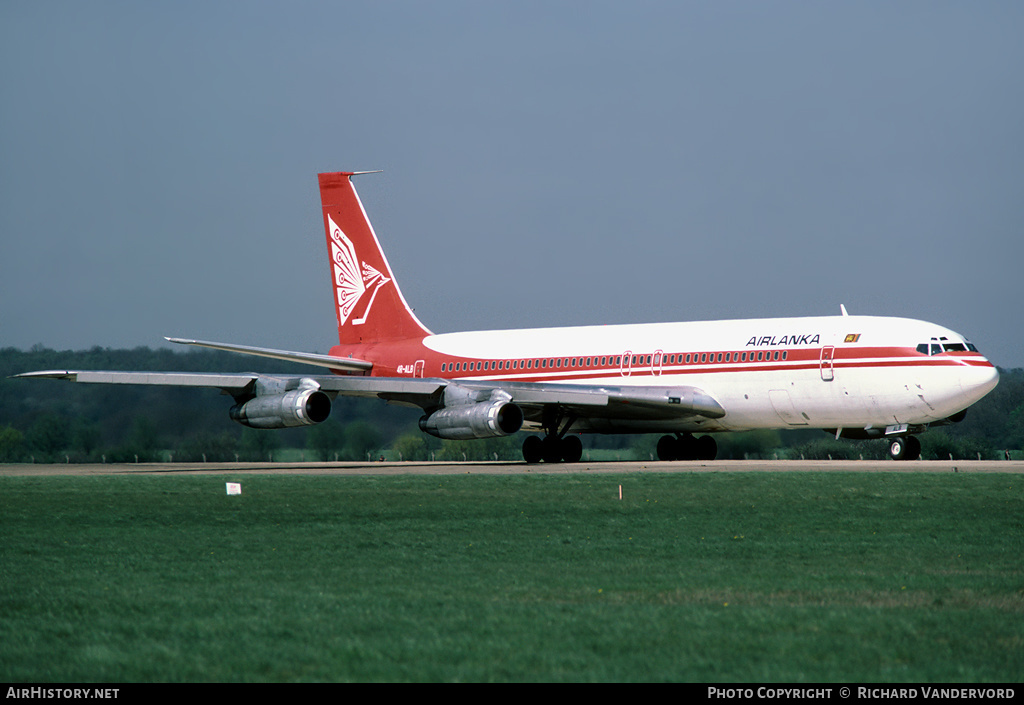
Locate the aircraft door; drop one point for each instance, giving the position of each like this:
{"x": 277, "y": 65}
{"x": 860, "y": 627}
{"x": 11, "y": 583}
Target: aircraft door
{"x": 626, "y": 369}
{"x": 418, "y": 371}
{"x": 827, "y": 356}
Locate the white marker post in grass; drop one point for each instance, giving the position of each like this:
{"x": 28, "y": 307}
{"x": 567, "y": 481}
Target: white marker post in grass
{"x": 234, "y": 488}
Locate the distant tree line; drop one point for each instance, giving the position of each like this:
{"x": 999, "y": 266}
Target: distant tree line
{"x": 56, "y": 421}
{"x": 59, "y": 421}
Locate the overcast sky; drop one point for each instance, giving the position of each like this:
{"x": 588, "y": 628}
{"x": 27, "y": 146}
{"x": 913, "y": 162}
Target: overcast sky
{"x": 549, "y": 163}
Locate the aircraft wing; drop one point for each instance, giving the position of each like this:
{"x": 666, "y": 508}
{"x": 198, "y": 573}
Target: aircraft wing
{"x": 584, "y": 401}
{"x": 234, "y": 384}
{"x": 349, "y": 364}
{"x": 418, "y": 392}
{"x": 275, "y": 400}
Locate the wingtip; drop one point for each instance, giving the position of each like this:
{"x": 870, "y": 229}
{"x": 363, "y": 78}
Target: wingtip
{"x": 45, "y": 374}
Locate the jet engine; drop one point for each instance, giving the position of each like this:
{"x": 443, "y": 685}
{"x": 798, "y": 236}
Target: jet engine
{"x": 485, "y": 419}
{"x": 300, "y": 407}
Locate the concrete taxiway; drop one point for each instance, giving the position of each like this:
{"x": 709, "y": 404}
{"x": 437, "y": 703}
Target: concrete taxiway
{"x": 507, "y": 468}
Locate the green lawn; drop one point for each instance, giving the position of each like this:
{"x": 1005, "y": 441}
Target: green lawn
{"x": 720, "y": 577}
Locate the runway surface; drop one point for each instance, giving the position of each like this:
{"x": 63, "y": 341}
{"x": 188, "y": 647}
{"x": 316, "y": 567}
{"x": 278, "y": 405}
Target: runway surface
{"x": 505, "y": 468}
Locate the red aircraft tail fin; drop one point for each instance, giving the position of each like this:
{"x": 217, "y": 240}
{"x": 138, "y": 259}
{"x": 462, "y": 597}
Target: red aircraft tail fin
{"x": 369, "y": 305}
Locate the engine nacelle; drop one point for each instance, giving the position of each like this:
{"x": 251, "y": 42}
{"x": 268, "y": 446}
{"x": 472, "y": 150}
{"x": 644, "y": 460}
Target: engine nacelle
{"x": 484, "y": 420}
{"x": 301, "y": 407}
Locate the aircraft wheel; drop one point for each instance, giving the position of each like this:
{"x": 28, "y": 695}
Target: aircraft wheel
{"x": 551, "y": 449}
{"x": 668, "y": 448}
{"x": 686, "y": 448}
{"x": 707, "y": 448}
{"x": 898, "y": 448}
{"x": 913, "y": 448}
{"x": 572, "y": 449}
{"x": 533, "y": 449}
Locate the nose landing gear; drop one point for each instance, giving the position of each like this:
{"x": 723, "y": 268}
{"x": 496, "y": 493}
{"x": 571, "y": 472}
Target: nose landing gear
{"x": 905, "y": 448}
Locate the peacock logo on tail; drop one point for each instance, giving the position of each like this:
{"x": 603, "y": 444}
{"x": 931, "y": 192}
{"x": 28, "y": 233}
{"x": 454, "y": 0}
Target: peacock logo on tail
{"x": 352, "y": 279}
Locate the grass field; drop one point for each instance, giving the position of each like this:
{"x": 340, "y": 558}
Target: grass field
{"x": 718, "y": 577}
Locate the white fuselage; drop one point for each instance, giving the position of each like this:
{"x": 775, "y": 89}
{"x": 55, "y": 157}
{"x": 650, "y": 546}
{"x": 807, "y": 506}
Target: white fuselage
{"x": 817, "y": 372}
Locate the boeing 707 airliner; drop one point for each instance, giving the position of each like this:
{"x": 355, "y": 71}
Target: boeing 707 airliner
{"x": 854, "y": 376}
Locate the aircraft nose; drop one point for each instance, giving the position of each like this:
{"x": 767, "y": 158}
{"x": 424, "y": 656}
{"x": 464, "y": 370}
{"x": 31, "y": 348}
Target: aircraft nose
{"x": 977, "y": 381}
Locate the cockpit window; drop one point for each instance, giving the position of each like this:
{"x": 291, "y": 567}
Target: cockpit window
{"x": 940, "y": 345}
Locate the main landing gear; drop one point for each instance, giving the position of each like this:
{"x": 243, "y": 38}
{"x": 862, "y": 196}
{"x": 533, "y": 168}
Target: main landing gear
{"x": 683, "y": 446}
{"x": 905, "y": 448}
{"x": 555, "y": 447}
{"x": 552, "y": 449}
